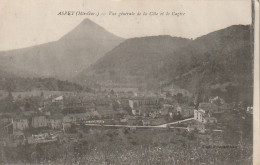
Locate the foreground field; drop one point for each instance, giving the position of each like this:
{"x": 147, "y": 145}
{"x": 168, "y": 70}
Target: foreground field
{"x": 125, "y": 146}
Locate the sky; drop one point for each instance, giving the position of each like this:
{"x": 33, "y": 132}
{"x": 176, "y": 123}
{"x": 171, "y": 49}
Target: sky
{"x": 26, "y": 23}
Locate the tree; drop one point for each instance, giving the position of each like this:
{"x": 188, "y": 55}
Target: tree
{"x": 232, "y": 93}
{"x": 168, "y": 94}
{"x": 27, "y": 106}
{"x": 42, "y": 94}
{"x": 191, "y": 136}
{"x": 112, "y": 92}
{"x": 179, "y": 98}
{"x": 115, "y": 105}
{"x": 10, "y": 96}
{"x": 9, "y": 85}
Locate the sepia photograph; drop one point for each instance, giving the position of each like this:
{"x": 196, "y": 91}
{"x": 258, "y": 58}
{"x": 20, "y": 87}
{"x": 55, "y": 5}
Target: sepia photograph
{"x": 127, "y": 82}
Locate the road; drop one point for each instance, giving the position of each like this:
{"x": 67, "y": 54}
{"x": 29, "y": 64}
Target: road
{"x": 176, "y": 122}
{"x": 136, "y": 126}
{"x": 119, "y": 126}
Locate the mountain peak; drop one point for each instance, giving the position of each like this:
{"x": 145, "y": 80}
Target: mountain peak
{"x": 88, "y": 29}
{"x": 64, "y": 58}
{"x": 87, "y": 21}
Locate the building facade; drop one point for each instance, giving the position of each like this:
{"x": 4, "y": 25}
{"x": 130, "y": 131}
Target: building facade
{"x": 20, "y": 124}
{"x": 39, "y": 121}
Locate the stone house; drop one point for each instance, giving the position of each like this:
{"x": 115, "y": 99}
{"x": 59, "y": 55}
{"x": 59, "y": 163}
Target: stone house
{"x": 39, "y": 121}
{"x": 249, "y": 110}
{"x": 204, "y": 116}
{"x": 20, "y": 124}
{"x": 55, "y": 122}
{"x": 143, "y": 101}
{"x": 146, "y": 122}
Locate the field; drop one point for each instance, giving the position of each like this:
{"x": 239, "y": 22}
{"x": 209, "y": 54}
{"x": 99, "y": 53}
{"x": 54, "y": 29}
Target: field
{"x": 125, "y": 146}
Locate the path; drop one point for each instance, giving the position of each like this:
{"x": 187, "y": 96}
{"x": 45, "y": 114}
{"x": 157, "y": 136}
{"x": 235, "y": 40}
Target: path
{"x": 176, "y": 122}
{"x": 137, "y": 126}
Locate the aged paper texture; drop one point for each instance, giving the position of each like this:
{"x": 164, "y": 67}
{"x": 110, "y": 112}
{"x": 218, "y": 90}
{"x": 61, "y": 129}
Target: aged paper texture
{"x": 129, "y": 82}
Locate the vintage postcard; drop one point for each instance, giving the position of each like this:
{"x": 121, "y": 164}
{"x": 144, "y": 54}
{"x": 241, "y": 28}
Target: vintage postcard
{"x": 129, "y": 82}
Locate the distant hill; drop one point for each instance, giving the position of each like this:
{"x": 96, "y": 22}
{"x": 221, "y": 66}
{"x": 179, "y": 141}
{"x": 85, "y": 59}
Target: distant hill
{"x": 229, "y": 47}
{"x": 4, "y": 74}
{"x": 219, "y": 63}
{"x": 133, "y": 60}
{"x": 64, "y": 58}
{"x": 216, "y": 63}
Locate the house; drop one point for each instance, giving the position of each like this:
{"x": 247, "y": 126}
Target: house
{"x": 199, "y": 115}
{"x": 123, "y": 120}
{"x": 146, "y": 122}
{"x": 41, "y": 136}
{"x": 217, "y": 100}
{"x": 95, "y": 114}
{"x": 175, "y": 90}
{"x": 179, "y": 110}
{"x": 66, "y": 126}
{"x": 164, "y": 111}
{"x": 6, "y": 125}
{"x": 153, "y": 114}
{"x": 136, "y": 112}
{"x": 170, "y": 109}
{"x": 39, "y": 121}
{"x": 204, "y": 116}
{"x": 171, "y": 114}
{"x": 142, "y": 102}
{"x": 168, "y": 105}
{"x": 5, "y": 119}
{"x": 147, "y": 111}
{"x": 249, "y": 110}
{"x": 58, "y": 99}
{"x": 119, "y": 89}
{"x": 55, "y": 122}
{"x": 18, "y": 138}
{"x": 20, "y": 124}
{"x": 86, "y": 116}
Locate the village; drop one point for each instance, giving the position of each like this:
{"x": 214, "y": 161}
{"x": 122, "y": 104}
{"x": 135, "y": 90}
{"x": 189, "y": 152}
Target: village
{"x": 48, "y": 118}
